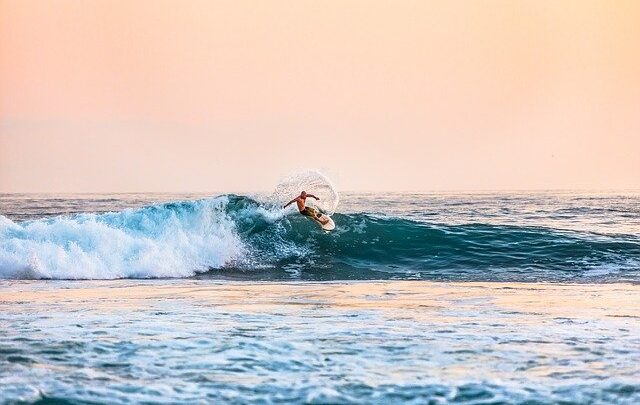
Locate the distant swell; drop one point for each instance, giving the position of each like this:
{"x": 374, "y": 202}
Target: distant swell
{"x": 235, "y": 236}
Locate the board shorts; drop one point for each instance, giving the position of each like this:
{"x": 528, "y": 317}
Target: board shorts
{"x": 310, "y": 212}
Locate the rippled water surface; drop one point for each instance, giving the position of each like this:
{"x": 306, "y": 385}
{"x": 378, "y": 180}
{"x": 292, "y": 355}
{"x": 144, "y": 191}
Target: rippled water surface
{"x": 543, "y": 236}
{"x": 484, "y": 298}
{"x": 356, "y": 342}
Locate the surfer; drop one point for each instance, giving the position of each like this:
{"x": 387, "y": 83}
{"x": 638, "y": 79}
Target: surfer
{"x": 307, "y": 211}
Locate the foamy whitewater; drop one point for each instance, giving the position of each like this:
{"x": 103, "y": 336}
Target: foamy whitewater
{"x": 510, "y": 237}
{"x": 475, "y": 298}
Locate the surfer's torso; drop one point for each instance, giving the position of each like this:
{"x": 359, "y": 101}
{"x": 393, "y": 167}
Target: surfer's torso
{"x": 307, "y": 211}
{"x": 300, "y": 202}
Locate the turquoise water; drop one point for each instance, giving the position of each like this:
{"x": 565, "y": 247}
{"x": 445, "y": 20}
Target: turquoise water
{"x": 497, "y": 237}
{"x": 415, "y": 298}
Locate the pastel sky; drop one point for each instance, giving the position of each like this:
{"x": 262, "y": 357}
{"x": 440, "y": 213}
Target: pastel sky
{"x": 157, "y": 95}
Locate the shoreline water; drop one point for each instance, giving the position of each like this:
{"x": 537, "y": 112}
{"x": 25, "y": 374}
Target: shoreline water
{"x": 155, "y": 288}
{"x": 361, "y": 341}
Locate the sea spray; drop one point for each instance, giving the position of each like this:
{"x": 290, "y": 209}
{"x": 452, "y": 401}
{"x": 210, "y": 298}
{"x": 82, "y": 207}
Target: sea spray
{"x": 311, "y": 181}
{"x": 167, "y": 240}
{"x": 240, "y": 237}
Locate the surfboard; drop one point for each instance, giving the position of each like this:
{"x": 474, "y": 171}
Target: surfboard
{"x": 328, "y": 225}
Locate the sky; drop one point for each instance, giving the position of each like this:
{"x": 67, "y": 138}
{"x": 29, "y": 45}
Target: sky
{"x": 167, "y": 95}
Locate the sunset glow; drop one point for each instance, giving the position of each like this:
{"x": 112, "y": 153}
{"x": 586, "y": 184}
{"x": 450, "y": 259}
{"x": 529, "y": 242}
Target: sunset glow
{"x": 234, "y": 95}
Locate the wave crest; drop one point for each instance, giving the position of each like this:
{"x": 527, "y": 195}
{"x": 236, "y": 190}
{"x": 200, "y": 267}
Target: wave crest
{"x": 237, "y": 236}
{"x": 169, "y": 240}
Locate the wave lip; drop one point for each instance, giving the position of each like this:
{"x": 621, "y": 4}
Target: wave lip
{"x": 236, "y": 236}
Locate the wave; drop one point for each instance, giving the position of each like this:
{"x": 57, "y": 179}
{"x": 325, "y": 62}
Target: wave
{"x": 169, "y": 240}
{"x": 236, "y": 236}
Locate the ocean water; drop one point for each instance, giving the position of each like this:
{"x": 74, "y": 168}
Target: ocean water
{"x": 415, "y": 298}
{"x": 464, "y": 237}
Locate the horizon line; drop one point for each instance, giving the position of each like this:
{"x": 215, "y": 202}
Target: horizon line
{"x": 540, "y": 190}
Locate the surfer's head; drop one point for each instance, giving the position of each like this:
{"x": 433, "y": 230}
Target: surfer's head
{"x": 303, "y": 194}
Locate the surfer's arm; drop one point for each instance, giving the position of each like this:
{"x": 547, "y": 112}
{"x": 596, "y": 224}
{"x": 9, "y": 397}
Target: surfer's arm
{"x": 312, "y": 196}
{"x": 289, "y": 203}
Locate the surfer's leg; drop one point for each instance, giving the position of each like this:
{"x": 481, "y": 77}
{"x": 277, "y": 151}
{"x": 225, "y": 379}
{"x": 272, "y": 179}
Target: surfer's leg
{"x": 314, "y": 214}
{"x": 322, "y": 221}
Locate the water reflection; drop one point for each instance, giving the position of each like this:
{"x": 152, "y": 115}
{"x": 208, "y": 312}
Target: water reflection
{"x": 200, "y": 340}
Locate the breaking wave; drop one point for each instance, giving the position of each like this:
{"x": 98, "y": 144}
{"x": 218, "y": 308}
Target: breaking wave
{"x": 236, "y": 236}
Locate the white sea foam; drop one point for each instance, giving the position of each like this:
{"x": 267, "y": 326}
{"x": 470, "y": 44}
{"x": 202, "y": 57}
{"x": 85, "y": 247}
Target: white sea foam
{"x": 602, "y": 270}
{"x": 171, "y": 240}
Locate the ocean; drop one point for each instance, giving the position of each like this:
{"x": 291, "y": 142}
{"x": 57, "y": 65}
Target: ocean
{"x": 479, "y": 297}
